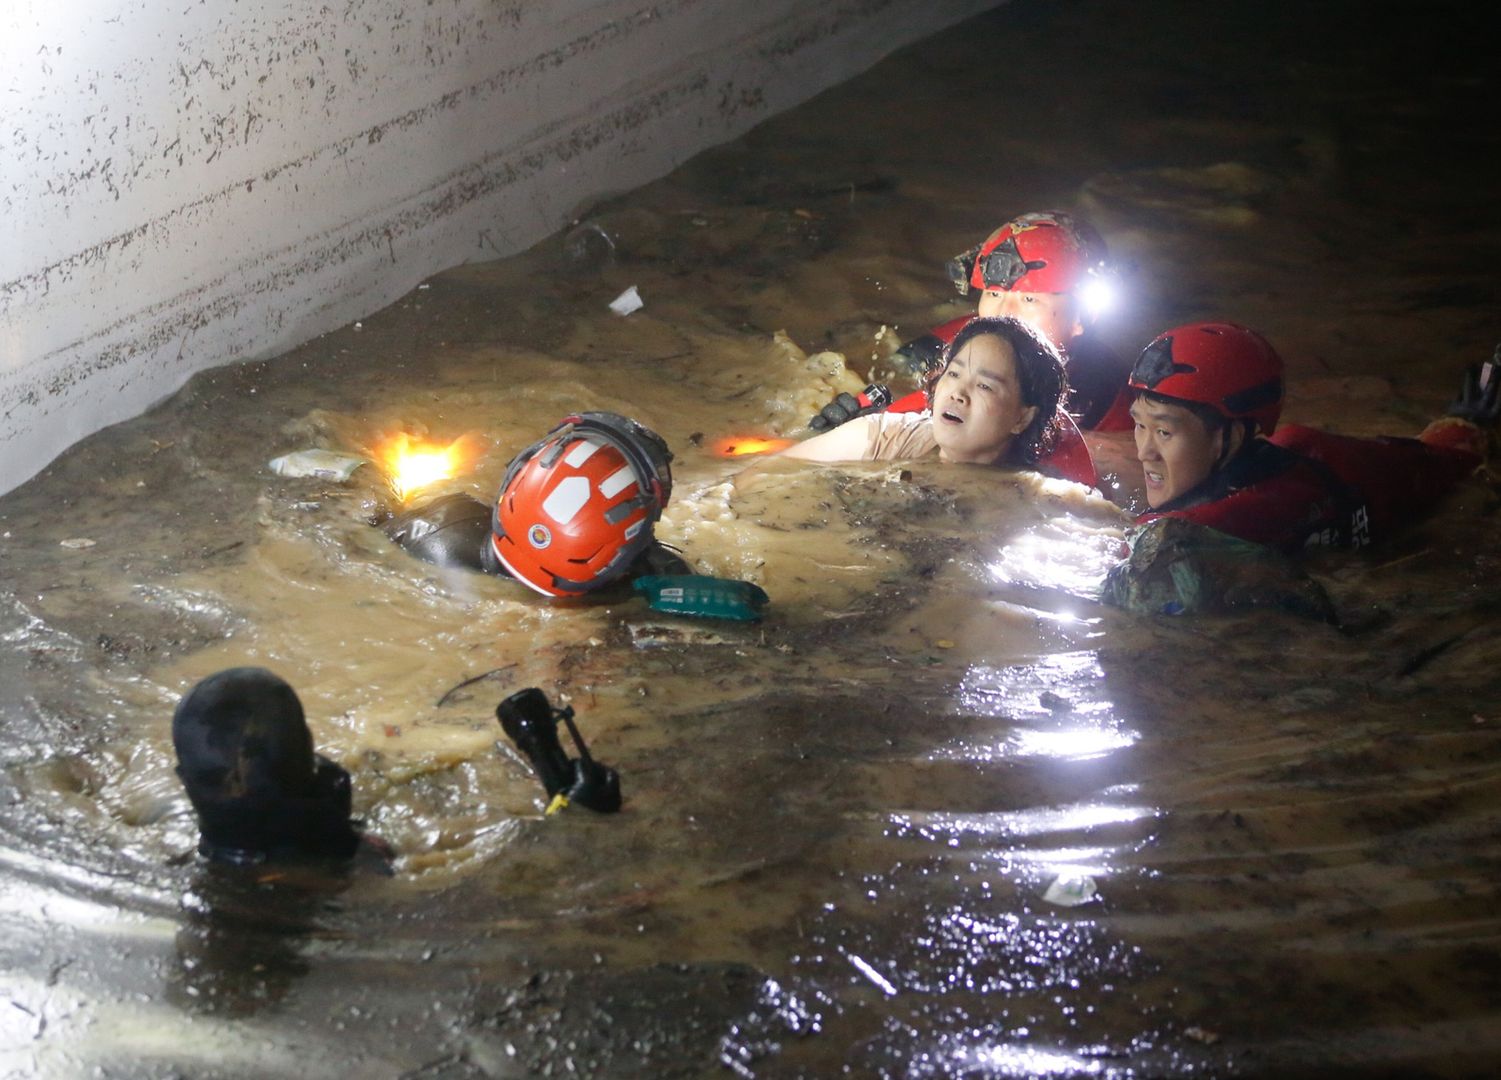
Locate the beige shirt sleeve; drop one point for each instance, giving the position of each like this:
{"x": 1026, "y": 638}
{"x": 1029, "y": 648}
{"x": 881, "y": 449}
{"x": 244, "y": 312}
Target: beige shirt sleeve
{"x": 900, "y": 437}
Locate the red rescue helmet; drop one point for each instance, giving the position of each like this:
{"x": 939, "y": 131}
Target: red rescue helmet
{"x": 1222, "y": 365}
{"x": 578, "y": 506}
{"x": 1046, "y": 252}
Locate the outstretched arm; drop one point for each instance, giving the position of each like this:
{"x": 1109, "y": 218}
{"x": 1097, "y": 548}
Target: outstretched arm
{"x": 847, "y": 442}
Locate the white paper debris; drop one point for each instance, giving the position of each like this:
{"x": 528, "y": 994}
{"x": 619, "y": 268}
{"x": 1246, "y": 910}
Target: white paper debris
{"x": 323, "y": 464}
{"x": 77, "y": 543}
{"x": 627, "y": 302}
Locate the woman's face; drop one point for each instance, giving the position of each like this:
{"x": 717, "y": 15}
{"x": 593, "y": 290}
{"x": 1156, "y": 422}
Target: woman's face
{"x": 977, "y": 403}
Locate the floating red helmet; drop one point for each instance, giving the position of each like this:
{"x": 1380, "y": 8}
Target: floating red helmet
{"x": 1232, "y": 370}
{"x": 1046, "y": 252}
{"x": 578, "y": 506}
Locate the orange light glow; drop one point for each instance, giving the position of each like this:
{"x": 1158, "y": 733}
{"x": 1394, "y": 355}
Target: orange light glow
{"x": 412, "y": 464}
{"x": 742, "y": 446}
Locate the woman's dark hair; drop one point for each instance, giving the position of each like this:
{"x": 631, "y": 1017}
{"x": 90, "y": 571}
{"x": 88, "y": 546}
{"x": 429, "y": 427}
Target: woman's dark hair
{"x": 1039, "y": 372}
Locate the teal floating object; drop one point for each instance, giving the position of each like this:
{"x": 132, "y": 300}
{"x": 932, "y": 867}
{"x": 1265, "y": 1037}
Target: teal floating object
{"x": 703, "y": 596}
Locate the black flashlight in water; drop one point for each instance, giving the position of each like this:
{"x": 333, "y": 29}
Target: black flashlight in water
{"x": 532, "y": 724}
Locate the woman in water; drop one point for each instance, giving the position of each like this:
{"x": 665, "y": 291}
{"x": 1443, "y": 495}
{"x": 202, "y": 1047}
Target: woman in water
{"x": 997, "y": 400}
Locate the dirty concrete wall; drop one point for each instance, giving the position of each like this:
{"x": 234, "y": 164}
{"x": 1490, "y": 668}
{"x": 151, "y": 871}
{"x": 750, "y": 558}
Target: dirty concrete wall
{"x": 191, "y": 184}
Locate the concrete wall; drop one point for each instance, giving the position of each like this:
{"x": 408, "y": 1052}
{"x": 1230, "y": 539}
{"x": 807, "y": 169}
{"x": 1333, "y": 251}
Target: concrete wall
{"x": 184, "y": 185}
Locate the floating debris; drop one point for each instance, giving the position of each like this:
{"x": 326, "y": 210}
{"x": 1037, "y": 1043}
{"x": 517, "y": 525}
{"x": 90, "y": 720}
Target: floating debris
{"x": 627, "y": 302}
{"x": 703, "y": 596}
{"x": 1071, "y": 890}
{"x": 322, "y": 464}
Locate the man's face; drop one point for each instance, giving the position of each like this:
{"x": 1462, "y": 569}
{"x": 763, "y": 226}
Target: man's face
{"x": 1053, "y": 315}
{"x": 1176, "y": 450}
{"x": 977, "y": 402}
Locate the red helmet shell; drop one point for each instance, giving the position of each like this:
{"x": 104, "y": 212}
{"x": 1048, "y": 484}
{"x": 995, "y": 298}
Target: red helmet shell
{"x": 1227, "y": 367}
{"x": 1046, "y": 252}
{"x": 576, "y": 508}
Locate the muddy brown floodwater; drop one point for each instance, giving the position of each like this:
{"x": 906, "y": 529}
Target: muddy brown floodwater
{"x": 839, "y": 824}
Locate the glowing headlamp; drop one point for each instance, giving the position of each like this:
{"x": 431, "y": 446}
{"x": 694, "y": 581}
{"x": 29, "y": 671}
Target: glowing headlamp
{"x": 1099, "y": 296}
{"x": 413, "y": 465}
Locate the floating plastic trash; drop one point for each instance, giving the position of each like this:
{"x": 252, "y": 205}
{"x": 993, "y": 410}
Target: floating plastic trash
{"x": 322, "y": 464}
{"x": 703, "y": 596}
{"x": 589, "y": 246}
{"x": 627, "y": 302}
{"x": 77, "y": 543}
{"x": 1071, "y": 890}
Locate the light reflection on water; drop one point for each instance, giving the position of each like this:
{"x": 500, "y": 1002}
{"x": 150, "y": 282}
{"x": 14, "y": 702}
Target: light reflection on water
{"x": 935, "y": 719}
{"x": 1020, "y": 1060}
{"x": 1063, "y": 553}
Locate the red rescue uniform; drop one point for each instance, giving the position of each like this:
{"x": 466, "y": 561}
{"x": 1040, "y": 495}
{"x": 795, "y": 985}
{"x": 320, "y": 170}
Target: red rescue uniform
{"x": 1303, "y": 487}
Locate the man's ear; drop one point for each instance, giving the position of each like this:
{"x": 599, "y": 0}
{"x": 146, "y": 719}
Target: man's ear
{"x": 1028, "y": 415}
{"x": 1233, "y": 438}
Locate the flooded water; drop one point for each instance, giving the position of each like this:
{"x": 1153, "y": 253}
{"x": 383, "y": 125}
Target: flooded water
{"x": 840, "y": 824}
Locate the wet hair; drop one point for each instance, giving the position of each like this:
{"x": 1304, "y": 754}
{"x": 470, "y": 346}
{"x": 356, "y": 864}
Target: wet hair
{"x": 245, "y": 756}
{"x": 1039, "y": 374}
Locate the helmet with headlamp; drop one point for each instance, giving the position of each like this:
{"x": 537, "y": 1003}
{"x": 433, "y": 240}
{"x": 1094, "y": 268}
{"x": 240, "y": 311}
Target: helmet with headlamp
{"x": 1045, "y": 252}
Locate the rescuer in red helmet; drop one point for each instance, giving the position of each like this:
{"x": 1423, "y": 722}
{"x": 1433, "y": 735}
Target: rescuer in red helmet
{"x": 1207, "y": 399}
{"x": 577, "y": 508}
{"x": 575, "y": 512}
{"x": 1039, "y": 268}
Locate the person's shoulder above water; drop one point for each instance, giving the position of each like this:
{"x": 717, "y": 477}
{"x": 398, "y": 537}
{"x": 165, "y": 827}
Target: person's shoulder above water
{"x": 576, "y": 512}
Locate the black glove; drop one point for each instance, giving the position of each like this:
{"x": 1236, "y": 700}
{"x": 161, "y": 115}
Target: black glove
{"x": 847, "y": 406}
{"x": 921, "y": 356}
{"x": 1479, "y": 399}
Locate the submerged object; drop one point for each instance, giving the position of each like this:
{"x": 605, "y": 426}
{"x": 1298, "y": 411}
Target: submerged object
{"x": 451, "y": 530}
{"x": 532, "y": 724}
{"x": 703, "y": 596}
{"x": 1177, "y": 567}
{"x": 745, "y": 445}
{"x": 322, "y": 464}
